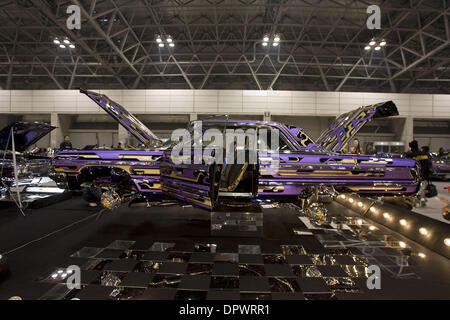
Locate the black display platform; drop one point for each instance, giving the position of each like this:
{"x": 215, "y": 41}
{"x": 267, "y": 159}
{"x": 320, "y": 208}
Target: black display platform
{"x": 177, "y": 252}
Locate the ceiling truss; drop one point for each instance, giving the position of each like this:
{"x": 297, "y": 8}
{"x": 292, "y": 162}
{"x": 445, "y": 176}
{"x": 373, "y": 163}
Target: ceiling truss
{"x": 218, "y": 45}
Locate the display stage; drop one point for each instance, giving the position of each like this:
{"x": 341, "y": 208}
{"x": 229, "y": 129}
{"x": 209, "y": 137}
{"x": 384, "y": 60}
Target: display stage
{"x": 261, "y": 251}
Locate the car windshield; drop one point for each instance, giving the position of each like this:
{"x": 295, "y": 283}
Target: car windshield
{"x": 264, "y": 142}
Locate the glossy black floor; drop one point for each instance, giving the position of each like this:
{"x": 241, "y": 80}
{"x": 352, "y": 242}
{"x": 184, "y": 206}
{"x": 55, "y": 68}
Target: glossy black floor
{"x": 176, "y": 252}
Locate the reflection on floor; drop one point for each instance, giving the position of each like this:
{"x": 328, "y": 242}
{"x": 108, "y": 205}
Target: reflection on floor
{"x": 271, "y": 251}
{"x": 434, "y": 207}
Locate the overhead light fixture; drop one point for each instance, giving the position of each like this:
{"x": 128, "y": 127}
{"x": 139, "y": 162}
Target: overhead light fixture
{"x": 56, "y": 41}
{"x": 266, "y": 39}
{"x": 66, "y": 41}
{"x": 367, "y": 48}
{"x": 264, "y": 44}
{"x": 351, "y": 200}
{"x": 171, "y": 44}
{"x": 422, "y": 255}
{"x": 403, "y": 222}
{"x": 423, "y": 231}
{"x": 161, "y": 45}
{"x": 275, "y": 44}
{"x": 372, "y": 228}
{"x": 158, "y": 39}
{"x": 383, "y": 43}
{"x": 402, "y": 244}
{"x": 277, "y": 38}
{"x": 447, "y": 242}
{"x": 359, "y": 222}
{"x": 72, "y": 46}
{"x": 372, "y": 43}
{"x": 360, "y": 204}
{"x": 62, "y": 46}
{"x": 169, "y": 39}
{"x": 372, "y": 209}
{"x": 386, "y": 215}
{"x": 377, "y": 48}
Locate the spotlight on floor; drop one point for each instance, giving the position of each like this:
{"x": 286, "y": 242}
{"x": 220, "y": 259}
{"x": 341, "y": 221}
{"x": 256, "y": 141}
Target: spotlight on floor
{"x": 447, "y": 242}
{"x": 423, "y": 231}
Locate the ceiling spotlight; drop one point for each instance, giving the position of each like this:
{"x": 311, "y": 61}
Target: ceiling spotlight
{"x": 264, "y": 44}
{"x": 386, "y": 215}
{"x": 158, "y": 39}
{"x": 402, "y": 244}
{"x": 367, "y": 48}
{"x": 342, "y": 196}
{"x": 372, "y": 209}
{"x": 66, "y": 41}
{"x": 383, "y": 43}
{"x": 447, "y": 242}
{"x": 72, "y": 46}
{"x": 377, "y": 48}
{"x": 403, "y": 222}
{"x": 171, "y": 44}
{"x": 422, "y": 255}
{"x": 56, "y": 41}
{"x": 360, "y": 204}
{"x": 276, "y": 39}
{"x": 62, "y": 46}
{"x": 372, "y": 43}
{"x": 169, "y": 39}
{"x": 359, "y": 222}
{"x": 275, "y": 44}
{"x": 372, "y": 228}
{"x": 351, "y": 200}
{"x": 266, "y": 39}
{"x": 161, "y": 45}
{"x": 423, "y": 231}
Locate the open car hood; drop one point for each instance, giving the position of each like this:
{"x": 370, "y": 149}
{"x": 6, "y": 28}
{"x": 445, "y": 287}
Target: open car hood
{"x": 347, "y": 125}
{"x": 121, "y": 115}
{"x": 25, "y": 134}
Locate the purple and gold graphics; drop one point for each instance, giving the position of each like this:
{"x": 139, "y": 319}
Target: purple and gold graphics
{"x": 346, "y": 126}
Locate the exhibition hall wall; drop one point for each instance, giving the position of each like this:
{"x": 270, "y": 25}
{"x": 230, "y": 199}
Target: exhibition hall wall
{"x": 222, "y": 101}
{"x": 86, "y": 123}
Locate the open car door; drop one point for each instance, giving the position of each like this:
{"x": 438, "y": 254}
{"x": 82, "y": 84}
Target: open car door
{"x": 347, "y": 125}
{"x": 197, "y": 184}
{"x": 201, "y": 180}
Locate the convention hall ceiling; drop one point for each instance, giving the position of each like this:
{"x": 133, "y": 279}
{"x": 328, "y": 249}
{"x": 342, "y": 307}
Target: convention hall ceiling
{"x": 226, "y": 44}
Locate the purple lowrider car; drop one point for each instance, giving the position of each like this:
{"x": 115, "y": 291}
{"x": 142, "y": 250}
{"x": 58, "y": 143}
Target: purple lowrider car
{"x": 303, "y": 163}
{"x": 441, "y": 167}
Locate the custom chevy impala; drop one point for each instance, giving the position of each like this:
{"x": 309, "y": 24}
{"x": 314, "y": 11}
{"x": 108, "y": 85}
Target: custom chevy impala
{"x": 302, "y": 163}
